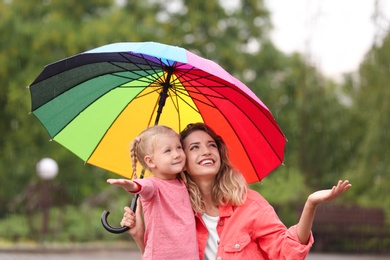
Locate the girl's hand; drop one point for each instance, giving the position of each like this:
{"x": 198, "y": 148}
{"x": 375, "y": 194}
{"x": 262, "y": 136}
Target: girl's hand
{"x": 126, "y": 184}
{"x": 322, "y": 196}
{"x": 128, "y": 219}
{"x": 136, "y": 224}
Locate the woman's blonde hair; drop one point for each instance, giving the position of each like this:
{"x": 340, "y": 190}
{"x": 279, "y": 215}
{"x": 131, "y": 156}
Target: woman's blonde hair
{"x": 144, "y": 144}
{"x": 229, "y": 186}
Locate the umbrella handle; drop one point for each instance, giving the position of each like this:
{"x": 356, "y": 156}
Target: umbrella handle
{"x": 119, "y": 230}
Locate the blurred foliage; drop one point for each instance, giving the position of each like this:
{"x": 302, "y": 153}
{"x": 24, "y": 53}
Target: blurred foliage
{"x": 69, "y": 223}
{"x": 334, "y": 130}
{"x": 371, "y": 106}
{"x": 76, "y": 226}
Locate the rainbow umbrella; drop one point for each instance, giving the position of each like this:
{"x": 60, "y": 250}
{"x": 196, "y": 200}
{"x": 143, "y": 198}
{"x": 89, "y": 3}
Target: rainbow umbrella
{"x": 95, "y": 103}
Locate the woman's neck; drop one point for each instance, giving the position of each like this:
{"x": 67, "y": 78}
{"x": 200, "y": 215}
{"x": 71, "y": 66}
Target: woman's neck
{"x": 205, "y": 188}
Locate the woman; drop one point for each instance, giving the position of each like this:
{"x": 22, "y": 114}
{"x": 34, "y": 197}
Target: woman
{"x": 232, "y": 221}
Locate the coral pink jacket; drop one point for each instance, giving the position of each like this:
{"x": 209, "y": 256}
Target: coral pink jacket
{"x": 253, "y": 231}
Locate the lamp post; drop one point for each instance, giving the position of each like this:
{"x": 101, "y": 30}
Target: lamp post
{"x": 47, "y": 170}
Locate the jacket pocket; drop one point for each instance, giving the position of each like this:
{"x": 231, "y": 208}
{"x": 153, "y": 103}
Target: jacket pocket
{"x": 237, "y": 244}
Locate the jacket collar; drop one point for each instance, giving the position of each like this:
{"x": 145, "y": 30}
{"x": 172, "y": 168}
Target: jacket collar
{"x": 226, "y": 210}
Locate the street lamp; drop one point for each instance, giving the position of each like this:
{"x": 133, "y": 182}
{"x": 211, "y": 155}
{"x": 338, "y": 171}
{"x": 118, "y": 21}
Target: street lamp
{"x": 47, "y": 170}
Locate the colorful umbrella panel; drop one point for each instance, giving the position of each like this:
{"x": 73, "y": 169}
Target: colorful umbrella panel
{"x": 95, "y": 103}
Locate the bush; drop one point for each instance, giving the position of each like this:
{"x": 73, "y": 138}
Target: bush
{"x": 14, "y": 228}
{"x": 67, "y": 224}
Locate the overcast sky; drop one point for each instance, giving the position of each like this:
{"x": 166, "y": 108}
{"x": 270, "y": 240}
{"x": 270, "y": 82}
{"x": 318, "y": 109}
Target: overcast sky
{"x": 335, "y": 34}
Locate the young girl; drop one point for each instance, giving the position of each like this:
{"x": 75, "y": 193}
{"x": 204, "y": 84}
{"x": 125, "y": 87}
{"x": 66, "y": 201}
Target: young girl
{"x": 170, "y": 225}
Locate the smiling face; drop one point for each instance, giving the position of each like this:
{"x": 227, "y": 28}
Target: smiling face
{"x": 168, "y": 158}
{"x": 203, "y": 158}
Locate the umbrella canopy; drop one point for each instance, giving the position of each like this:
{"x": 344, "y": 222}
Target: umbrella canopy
{"x": 95, "y": 103}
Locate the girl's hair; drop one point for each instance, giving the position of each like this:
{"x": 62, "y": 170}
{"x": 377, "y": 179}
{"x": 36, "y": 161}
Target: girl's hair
{"x": 229, "y": 184}
{"x": 144, "y": 144}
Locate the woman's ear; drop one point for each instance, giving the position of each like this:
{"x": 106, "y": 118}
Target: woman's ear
{"x": 149, "y": 161}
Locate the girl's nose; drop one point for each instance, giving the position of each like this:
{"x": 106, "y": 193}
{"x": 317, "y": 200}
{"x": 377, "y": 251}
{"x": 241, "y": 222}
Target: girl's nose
{"x": 176, "y": 154}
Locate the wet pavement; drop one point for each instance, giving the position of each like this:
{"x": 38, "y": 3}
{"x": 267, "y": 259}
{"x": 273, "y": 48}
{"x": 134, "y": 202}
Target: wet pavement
{"x": 79, "y": 255}
{"x": 316, "y": 256}
{"x": 133, "y": 254}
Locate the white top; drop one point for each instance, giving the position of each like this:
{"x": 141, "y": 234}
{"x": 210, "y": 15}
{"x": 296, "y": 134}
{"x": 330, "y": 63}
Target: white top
{"x": 212, "y": 241}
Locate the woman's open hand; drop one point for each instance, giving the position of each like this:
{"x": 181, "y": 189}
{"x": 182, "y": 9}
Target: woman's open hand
{"x": 322, "y": 196}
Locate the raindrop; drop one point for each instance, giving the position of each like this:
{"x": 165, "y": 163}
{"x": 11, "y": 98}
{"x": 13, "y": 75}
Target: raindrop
{"x": 284, "y": 99}
{"x": 14, "y": 124}
{"x": 249, "y": 75}
{"x": 210, "y": 47}
{"x": 189, "y": 38}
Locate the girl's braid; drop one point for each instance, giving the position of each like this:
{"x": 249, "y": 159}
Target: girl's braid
{"x": 133, "y": 152}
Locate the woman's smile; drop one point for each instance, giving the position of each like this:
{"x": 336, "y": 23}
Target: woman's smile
{"x": 207, "y": 162}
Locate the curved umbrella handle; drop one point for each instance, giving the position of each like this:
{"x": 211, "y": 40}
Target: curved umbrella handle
{"x": 110, "y": 228}
{"x": 119, "y": 230}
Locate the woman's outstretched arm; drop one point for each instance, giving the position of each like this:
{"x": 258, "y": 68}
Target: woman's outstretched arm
{"x": 306, "y": 221}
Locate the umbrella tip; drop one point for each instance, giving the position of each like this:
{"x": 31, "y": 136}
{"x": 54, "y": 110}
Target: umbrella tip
{"x": 28, "y": 87}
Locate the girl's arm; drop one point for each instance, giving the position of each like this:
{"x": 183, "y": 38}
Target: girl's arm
{"x": 126, "y": 184}
{"x": 306, "y": 221}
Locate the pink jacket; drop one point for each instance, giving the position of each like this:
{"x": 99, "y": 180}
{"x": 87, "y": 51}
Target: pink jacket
{"x": 253, "y": 231}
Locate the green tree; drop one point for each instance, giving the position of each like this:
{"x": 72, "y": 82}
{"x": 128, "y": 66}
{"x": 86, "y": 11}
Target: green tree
{"x": 43, "y": 32}
{"x": 370, "y": 170}
{"x": 40, "y": 33}
{"x": 34, "y": 34}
